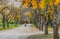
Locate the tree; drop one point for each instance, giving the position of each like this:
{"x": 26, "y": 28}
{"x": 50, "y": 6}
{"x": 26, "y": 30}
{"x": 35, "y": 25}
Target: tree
{"x": 55, "y": 24}
{"x": 15, "y": 14}
{"x": 3, "y": 10}
{"x": 51, "y": 14}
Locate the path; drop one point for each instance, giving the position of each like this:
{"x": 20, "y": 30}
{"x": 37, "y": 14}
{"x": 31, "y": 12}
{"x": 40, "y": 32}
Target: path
{"x": 18, "y": 33}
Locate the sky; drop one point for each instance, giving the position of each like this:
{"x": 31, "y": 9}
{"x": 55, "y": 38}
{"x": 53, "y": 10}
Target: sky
{"x": 15, "y": 3}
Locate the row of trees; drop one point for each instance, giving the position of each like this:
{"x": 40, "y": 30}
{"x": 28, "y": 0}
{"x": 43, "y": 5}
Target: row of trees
{"x": 9, "y": 12}
{"x": 44, "y": 12}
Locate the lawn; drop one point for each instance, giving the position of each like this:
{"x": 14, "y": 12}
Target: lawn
{"x": 10, "y": 27}
{"x": 50, "y": 29}
{"x": 34, "y": 28}
{"x": 41, "y": 36}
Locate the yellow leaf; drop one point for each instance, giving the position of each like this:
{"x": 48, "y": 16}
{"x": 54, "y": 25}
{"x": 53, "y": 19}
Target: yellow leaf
{"x": 25, "y": 5}
{"x": 28, "y": 14}
{"x": 56, "y": 2}
{"x": 41, "y": 4}
{"x": 34, "y": 5}
{"x": 51, "y": 3}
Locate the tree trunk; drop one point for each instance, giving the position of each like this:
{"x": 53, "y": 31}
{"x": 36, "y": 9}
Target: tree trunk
{"x": 46, "y": 28}
{"x": 16, "y": 21}
{"x": 46, "y": 21}
{"x": 55, "y": 24}
{"x": 41, "y": 26}
{"x": 3, "y": 21}
{"x": 7, "y": 23}
{"x": 55, "y": 31}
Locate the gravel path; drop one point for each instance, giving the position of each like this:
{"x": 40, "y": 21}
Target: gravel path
{"x": 18, "y": 33}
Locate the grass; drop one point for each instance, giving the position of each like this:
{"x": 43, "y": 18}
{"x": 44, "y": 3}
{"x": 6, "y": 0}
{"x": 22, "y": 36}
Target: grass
{"x": 50, "y": 29}
{"x": 11, "y": 26}
{"x": 34, "y": 28}
{"x": 41, "y": 36}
